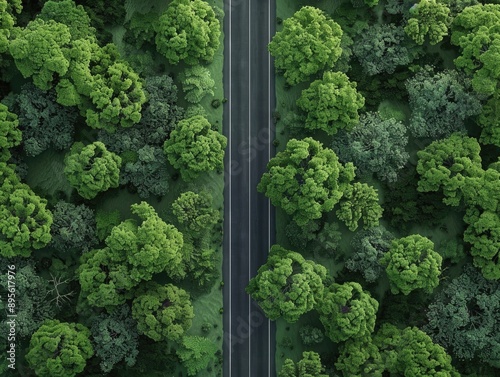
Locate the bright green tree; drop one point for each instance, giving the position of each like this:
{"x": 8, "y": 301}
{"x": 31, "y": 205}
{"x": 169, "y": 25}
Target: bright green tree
{"x": 411, "y": 263}
{"x": 331, "y": 104}
{"x": 347, "y": 311}
{"x": 59, "y": 349}
{"x": 490, "y": 113}
{"x": 10, "y": 135}
{"x": 374, "y": 146}
{"x": 39, "y": 51}
{"x": 359, "y": 202}
{"x": 428, "y": 18}
{"x": 195, "y": 211}
{"x": 8, "y": 11}
{"x": 193, "y": 147}
{"x": 162, "y": 311}
{"x": 188, "y": 30}
{"x": 196, "y": 353}
{"x": 444, "y": 164}
{"x": 360, "y": 358}
{"x": 197, "y": 83}
{"x": 309, "y": 366}
{"x": 440, "y": 103}
{"x": 305, "y": 180}
{"x": 24, "y": 221}
{"x": 287, "y": 285}
{"x": 308, "y": 43}
{"x": 92, "y": 169}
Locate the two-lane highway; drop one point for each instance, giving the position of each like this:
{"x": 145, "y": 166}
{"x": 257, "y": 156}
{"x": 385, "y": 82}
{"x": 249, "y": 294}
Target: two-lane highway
{"x": 249, "y": 231}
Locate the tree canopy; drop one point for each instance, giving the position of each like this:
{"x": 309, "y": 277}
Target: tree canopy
{"x": 428, "y": 18}
{"x": 287, "y": 285}
{"x": 308, "y": 43}
{"x": 331, "y": 103}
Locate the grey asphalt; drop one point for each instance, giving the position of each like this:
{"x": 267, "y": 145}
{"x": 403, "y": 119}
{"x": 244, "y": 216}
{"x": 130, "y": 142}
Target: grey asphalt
{"x": 249, "y": 230}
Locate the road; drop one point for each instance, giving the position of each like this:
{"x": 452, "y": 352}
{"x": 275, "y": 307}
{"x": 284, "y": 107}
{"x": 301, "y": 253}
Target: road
{"x": 249, "y": 231}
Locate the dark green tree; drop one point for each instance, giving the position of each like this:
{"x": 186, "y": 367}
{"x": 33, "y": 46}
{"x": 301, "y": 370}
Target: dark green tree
{"x": 92, "y": 169}
{"x": 347, "y": 311}
{"x": 331, "y": 104}
{"x": 10, "y": 135}
{"x": 287, "y": 285}
{"x": 411, "y": 263}
{"x": 369, "y": 246}
{"x": 308, "y": 43}
{"x": 188, "y": 31}
{"x": 193, "y": 147}
{"x": 59, "y": 349}
{"x": 381, "y": 49}
{"x": 148, "y": 174}
{"x": 115, "y": 338}
{"x": 305, "y": 180}
{"x": 360, "y": 358}
{"x": 374, "y": 146}
{"x": 440, "y": 103}
{"x": 463, "y": 317}
{"x": 73, "y": 228}
{"x": 309, "y": 366}
{"x": 45, "y": 123}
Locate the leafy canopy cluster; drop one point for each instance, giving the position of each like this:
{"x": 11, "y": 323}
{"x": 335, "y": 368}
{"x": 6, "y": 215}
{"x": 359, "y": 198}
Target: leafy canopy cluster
{"x": 309, "y": 365}
{"x": 331, "y": 104}
{"x": 287, "y": 285}
{"x": 411, "y": 263}
{"x": 193, "y": 147}
{"x": 92, "y": 169}
{"x": 428, "y": 18}
{"x": 307, "y": 180}
{"x": 59, "y": 349}
{"x": 308, "y": 43}
{"x": 133, "y": 253}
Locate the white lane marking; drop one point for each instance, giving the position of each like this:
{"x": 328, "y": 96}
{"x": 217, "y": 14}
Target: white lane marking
{"x": 230, "y": 196}
{"x": 249, "y": 180}
{"x": 268, "y": 202}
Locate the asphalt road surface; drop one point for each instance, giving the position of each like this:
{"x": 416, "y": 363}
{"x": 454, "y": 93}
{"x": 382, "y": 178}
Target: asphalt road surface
{"x": 249, "y": 231}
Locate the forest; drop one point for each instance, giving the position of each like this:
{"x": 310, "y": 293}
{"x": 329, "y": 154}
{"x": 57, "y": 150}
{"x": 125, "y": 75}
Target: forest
{"x": 111, "y": 174}
{"x": 385, "y": 184}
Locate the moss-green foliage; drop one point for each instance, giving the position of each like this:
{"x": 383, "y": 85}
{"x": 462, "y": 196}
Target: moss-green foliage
{"x": 381, "y": 48}
{"x": 10, "y": 135}
{"x": 197, "y": 83}
{"x": 73, "y": 228}
{"x": 287, "y": 285}
{"x": 59, "y": 349}
{"x": 359, "y": 202}
{"x": 347, "y": 312}
{"x": 331, "y": 104}
{"x": 196, "y": 353}
{"x": 308, "y": 43}
{"x": 188, "y": 31}
{"x": 92, "y": 169}
{"x": 440, "y": 103}
{"x": 411, "y": 263}
{"x": 305, "y": 180}
{"x": 374, "y": 146}
{"x": 44, "y": 123}
{"x": 134, "y": 252}
{"x": 8, "y": 11}
{"x": 309, "y": 365}
{"x": 162, "y": 312}
{"x": 428, "y": 18}
{"x": 105, "y": 221}
{"x": 195, "y": 211}
{"x": 194, "y": 148}
{"x": 115, "y": 338}
{"x": 463, "y": 317}
{"x": 360, "y": 358}
{"x": 24, "y": 219}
